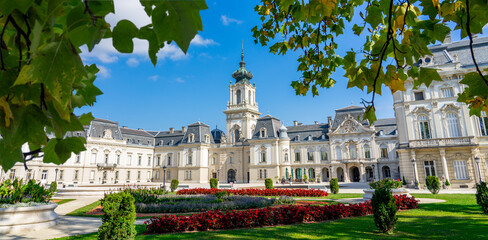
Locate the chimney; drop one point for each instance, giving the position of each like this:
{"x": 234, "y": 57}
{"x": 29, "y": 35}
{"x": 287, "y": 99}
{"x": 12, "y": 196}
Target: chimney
{"x": 140, "y": 129}
{"x": 316, "y": 122}
{"x": 447, "y": 39}
{"x": 295, "y": 123}
{"x": 183, "y": 128}
{"x": 329, "y": 120}
{"x": 171, "y": 130}
{"x": 124, "y": 126}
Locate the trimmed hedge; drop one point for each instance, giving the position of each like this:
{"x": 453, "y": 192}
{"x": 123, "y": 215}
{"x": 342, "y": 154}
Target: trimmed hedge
{"x": 482, "y": 196}
{"x": 433, "y": 184}
{"x": 118, "y": 221}
{"x": 268, "y": 183}
{"x": 214, "y": 183}
{"x": 174, "y": 184}
{"x": 384, "y": 209}
{"x": 251, "y": 218}
{"x": 334, "y": 186}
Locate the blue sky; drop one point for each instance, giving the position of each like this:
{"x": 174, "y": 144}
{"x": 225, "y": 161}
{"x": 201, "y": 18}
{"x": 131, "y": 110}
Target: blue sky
{"x": 183, "y": 89}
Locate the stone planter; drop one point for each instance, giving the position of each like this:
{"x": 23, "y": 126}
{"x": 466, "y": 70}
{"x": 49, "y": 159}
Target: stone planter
{"x": 368, "y": 193}
{"x": 17, "y": 219}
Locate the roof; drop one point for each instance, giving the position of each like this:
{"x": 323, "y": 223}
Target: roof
{"x": 313, "y": 132}
{"x": 459, "y": 51}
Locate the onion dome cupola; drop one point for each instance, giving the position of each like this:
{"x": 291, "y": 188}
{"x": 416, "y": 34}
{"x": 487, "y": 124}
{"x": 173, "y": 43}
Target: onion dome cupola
{"x": 217, "y": 134}
{"x": 283, "y": 131}
{"x": 242, "y": 75}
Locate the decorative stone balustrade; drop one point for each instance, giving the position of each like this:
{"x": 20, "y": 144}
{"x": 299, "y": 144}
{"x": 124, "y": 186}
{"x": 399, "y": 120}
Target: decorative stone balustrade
{"x": 442, "y": 142}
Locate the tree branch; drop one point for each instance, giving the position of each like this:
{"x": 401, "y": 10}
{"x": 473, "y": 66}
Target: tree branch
{"x": 468, "y": 29}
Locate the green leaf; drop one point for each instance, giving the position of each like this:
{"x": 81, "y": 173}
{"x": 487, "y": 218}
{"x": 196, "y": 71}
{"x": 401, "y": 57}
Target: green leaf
{"x": 370, "y": 114}
{"x": 8, "y": 6}
{"x": 59, "y": 150}
{"x": 86, "y": 118}
{"x": 9, "y": 156}
{"x": 427, "y": 75}
{"x": 122, "y": 36}
{"x": 148, "y": 33}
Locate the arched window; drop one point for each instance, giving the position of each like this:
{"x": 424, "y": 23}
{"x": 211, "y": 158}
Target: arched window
{"x": 190, "y": 158}
{"x": 263, "y": 155}
{"x": 297, "y": 155}
{"x": 323, "y": 154}
{"x": 207, "y": 138}
{"x": 263, "y": 133}
{"x": 230, "y": 160}
{"x": 237, "y": 135}
{"x": 191, "y": 138}
{"x": 367, "y": 151}
{"x": 424, "y": 127}
{"x": 310, "y": 154}
{"x": 352, "y": 151}
{"x": 238, "y": 96}
{"x": 453, "y": 125}
{"x": 286, "y": 157}
{"x": 338, "y": 153}
{"x": 248, "y": 97}
{"x": 386, "y": 172}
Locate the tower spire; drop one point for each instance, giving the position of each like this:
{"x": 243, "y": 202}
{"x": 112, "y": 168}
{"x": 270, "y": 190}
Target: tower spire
{"x": 242, "y": 52}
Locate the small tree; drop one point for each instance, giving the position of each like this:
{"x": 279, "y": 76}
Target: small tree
{"x": 447, "y": 183}
{"x": 214, "y": 183}
{"x": 53, "y": 187}
{"x": 384, "y": 209}
{"x": 433, "y": 184}
{"x": 404, "y": 182}
{"x": 482, "y": 196}
{"x": 268, "y": 183}
{"x": 334, "y": 186}
{"x": 119, "y": 216}
{"x": 174, "y": 184}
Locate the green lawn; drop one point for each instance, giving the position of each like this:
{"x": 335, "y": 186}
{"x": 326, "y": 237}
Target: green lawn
{"x": 457, "y": 218}
{"x": 81, "y": 211}
{"x": 63, "y": 201}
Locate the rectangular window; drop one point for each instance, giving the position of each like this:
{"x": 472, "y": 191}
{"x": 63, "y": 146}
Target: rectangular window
{"x": 78, "y": 158}
{"x": 419, "y": 96}
{"x": 169, "y": 160}
{"x": 106, "y": 158}
{"x": 297, "y": 156}
{"x": 12, "y": 174}
{"x": 424, "y": 130}
{"x": 159, "y": 160}
{"x": 149, "y": 161}
{"x": 118, "y": 159}
{"x": 460, "y": 170}
{"x": 128, "y": 175}
{"x": 286, "y": 157}
{"x": 61, "y": 173}
{"x": 249, "y": 159}
{"x": 384, "y": 152}
{"x": 213, "y": 161}
{"x": 447, "y": 92}
{"x": 116, "y": 175}
{"x": 230, "y": 160}
{"x": 260, "y": 174}
{"x": 429, "y": 168}
{"x": 265, "y": 173}
{"x": 138, "y": 175}
{"x": 484, "y": 126}
{"x": 139, "y": 161}
{"x": 44, "y": 175}
{"x": 310, "y": 156}
{"x": 129, "y": 159}
{"x": 92, "y": 175}
{"x": 263, "y": 156}
{"x": 93, "y": 158}
{"x": 76, "y": 175}
{"x": 367, "y": 152}
{"x": 189, "y": 160}
{"x": 148, "y": 175}
{"x": 157, "y": 174}
{"x": 168, "y": 175}
{"x": 323, "y": 156}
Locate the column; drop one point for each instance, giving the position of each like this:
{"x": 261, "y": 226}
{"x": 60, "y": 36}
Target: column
{"x": 362, "y": 174}
{"x": 415, "y": 170}
{"x": 346, "y": 173}
{"x": 476, "y": 167}
{"x": 318, "y": 171}
{"x": 444, "y": 165}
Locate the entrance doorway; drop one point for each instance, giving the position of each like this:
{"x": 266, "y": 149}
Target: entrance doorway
{"x": 355, "y": 176}
{"x": 231, "y": 176}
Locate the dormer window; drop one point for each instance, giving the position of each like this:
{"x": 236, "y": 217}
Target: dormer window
{"x": 419, "y": 96}
{"x": 207, "y": 139}
{"x": 191, "y": 138}
{"x": 263, "y": 133}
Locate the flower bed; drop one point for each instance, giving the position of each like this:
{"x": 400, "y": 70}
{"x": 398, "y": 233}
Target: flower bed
{"x": 216, "y": 220}
{"x": 258, "y": 192}
{"x": 203, "y": 203}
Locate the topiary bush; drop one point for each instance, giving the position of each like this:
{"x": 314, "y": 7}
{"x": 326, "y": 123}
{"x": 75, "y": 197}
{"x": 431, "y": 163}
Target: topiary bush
{"x": 174, "y": 184}
{"x": 482, "y": 196}
{"x": 53, "y": 187}
{"x": 268, "y": 183}
{"x": 404, "y": 182}
{"x": 447, "y": 183}
{"x": 214, "y": 183}
{"x": 119, "y": 215}
{"x": 433, "y": 184}
{"x": 334, "y": 186}
{"x": 384, "y": 209}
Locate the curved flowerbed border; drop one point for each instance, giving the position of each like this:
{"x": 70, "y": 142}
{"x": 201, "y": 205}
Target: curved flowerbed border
{"x": 16, "y": 219}
{"x": 258, "y": 192}
{"x": 217, "y": 220}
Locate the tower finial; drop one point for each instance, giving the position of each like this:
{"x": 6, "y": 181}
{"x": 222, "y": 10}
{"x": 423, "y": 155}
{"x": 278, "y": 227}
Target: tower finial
{"x": 242, "y": 53}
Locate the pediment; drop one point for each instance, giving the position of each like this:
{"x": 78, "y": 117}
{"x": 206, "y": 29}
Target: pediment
{"x": 351, "y": 126}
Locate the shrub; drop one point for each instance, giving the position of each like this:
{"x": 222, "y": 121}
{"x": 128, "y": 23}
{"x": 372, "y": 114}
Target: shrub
{"x": 285, "y": 200}
{"x": 53, "y": 187}
{"x": 258, "y": 192}
{"x": 384, "y": 209}
{"x": 118, "y": 221}
{"x": 447, "y": 183}
{"x": 214, "y": 183}
{"x": 433, "y": 184}
{"x": 174, "y": 184}
{"x": 482, "y": 196}
{"x": 219, "y": 195}
{"x": 334, "y": 186}
{"x": 13, "y": 192}
{"x": 385, "y": 183}
{"x": 404, "y": 182}
{"x": 268, "y": 183}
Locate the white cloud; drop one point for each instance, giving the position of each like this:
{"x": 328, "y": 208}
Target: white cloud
{"x": 227, "y": 20}
{"x": 200, "y": 41}
{"x": 128, "y": 9}
{"x": 104, "y": 72}
{"x": 132, "y": 62}
{"x": 180, "y": 80}
{"x": 153, "y": 78}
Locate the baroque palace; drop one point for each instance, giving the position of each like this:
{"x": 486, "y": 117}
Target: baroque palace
{"x": 431, "y": 134}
